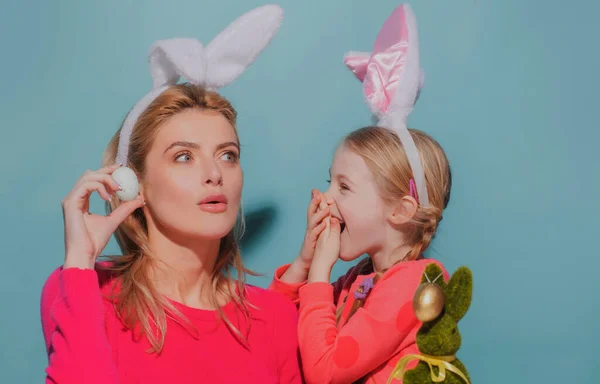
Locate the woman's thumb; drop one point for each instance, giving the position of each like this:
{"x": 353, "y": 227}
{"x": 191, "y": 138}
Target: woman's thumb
{"x": 124, "y": 210}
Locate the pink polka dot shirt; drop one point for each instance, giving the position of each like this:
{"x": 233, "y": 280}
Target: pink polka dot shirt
{"x": 369, "y": 344}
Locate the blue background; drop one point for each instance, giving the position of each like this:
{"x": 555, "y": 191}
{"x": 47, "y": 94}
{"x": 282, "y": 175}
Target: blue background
{"x": 509, "y": 93}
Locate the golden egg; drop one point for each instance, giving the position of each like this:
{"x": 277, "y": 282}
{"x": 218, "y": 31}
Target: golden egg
{"x": 428, "y": 302}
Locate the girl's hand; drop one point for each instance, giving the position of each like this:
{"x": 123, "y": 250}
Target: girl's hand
{"x": 318, "y": 210}
{"x": 87, "y": 234}
{"x": 327, "y": 252}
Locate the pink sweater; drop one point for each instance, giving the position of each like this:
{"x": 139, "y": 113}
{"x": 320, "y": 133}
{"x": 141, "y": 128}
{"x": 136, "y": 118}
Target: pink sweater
{"x": 86, "y": 343}
{"x": 371, "y": 342}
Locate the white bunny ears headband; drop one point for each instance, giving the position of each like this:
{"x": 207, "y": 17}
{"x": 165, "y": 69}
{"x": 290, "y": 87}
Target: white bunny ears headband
{"x": 392, "y": 79}
{"x": 214, "y": 66}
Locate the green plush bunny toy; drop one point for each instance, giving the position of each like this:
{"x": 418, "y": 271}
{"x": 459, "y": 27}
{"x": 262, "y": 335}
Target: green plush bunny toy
{"x": 438, "y": 340}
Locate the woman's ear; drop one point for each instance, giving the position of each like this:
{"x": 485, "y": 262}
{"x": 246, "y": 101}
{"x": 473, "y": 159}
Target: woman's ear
{"x": 142, "y": 190}
{"x": 404, "y": 210}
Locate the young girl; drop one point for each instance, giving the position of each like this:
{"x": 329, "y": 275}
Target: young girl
{"x": 383, "y": 201}
{"x": 169, "y": 309}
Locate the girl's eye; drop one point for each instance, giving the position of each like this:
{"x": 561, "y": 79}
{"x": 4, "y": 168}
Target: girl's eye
{"x": 344, "y": 187}
{"x": 328, "y": 181}
{"x": 183, "y": 157}
{"x": 230, "y": 156}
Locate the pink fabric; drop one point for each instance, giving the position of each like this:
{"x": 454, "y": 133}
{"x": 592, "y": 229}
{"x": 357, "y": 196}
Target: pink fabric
{"x": 370, "y": 343}
{"x": 86, "y": 342}
{"x": 381, "y": 72}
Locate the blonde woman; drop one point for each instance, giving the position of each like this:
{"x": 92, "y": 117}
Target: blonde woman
{"x": 175, "y": 307}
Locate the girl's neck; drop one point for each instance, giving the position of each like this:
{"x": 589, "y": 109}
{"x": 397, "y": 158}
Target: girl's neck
{"x": 385, "y": 258}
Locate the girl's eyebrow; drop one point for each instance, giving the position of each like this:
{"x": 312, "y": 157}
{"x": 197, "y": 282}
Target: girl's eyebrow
{"x": 341, "y": 176}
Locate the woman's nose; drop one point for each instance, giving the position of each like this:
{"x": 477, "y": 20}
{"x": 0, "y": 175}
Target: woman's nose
{"x": 213, "y": 175}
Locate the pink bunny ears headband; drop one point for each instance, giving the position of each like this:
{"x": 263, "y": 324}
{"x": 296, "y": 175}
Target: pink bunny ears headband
{"x": 214, "y": 66}
{"x": 392, "y": 80}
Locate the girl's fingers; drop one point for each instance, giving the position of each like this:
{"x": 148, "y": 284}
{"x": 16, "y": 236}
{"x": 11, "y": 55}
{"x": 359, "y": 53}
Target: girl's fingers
{"x": 316, "y": 231}
{"x": 314, "y": 204}
{"x": 318, "y": 217}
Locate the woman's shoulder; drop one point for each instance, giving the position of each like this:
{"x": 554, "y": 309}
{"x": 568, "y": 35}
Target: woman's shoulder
{"x": 101, "y": 272}
{"x": 266, "y": 300}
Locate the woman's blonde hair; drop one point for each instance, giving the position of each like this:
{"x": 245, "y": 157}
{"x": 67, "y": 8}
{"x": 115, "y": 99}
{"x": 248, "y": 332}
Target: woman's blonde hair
{"x": 141, "y": 308}
{"x": 385, "y": 156}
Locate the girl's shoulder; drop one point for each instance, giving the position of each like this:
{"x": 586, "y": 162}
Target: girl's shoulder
{"x": 412, "y": 270}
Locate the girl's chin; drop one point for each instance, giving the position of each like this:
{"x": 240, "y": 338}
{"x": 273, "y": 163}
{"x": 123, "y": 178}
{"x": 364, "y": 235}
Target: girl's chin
{"x": 349, "y": 256}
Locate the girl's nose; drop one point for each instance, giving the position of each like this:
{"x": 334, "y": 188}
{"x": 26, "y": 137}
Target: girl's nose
{"x": 330, "y": 201}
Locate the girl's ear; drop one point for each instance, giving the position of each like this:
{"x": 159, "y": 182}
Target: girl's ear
{"x": 459, "y": 292}
{"x": 403, "y": 211}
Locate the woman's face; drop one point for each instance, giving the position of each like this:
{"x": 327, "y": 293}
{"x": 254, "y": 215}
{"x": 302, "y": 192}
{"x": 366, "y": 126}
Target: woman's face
{"x": 193, "y": 179}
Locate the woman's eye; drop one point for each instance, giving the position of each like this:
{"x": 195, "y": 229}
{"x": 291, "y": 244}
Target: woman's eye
{"x": 229, "y": 156}
{"x": 183, "y": 157}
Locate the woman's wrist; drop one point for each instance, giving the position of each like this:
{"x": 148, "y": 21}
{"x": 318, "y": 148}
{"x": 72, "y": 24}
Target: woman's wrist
{"x": 79, "y": 262}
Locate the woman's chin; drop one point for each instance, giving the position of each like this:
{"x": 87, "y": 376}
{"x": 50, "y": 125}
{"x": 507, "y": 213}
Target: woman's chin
{"x": 215, "y": 232}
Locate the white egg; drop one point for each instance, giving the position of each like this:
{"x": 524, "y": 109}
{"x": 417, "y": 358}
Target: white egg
{"x": 128, "y": 181}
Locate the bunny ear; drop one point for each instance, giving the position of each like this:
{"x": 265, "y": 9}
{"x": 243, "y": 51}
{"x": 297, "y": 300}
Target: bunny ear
{"x": 459, "y": 293}
{"x": 390, "y": 69}
{"x": 433, "y": 273}
{"x": 172, "y": 58}
{"x": 357, "y": 62}
{"x": 236, "y": 47}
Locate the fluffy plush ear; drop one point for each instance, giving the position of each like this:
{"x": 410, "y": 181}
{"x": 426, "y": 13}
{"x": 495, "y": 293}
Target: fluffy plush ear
{"x": 238, "y": 45}
{"x": 459, "y": 292}
{"x": 434, "y": 272}
{"x": 171, "y": 59}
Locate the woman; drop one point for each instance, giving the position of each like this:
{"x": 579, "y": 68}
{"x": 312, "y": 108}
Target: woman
{"x": 169, "y": 310}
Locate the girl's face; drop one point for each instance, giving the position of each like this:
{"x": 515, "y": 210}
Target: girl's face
{"x": 358, "y": 205}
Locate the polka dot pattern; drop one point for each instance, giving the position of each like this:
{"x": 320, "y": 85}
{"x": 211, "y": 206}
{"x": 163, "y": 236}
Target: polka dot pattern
{"x": 404, "y": 320}
{"x": 346, "y": 353}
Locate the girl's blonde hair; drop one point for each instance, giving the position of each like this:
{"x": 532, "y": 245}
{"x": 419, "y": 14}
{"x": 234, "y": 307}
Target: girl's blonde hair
{"x": 384, "y": 154}
{"x": 141, "y": 308}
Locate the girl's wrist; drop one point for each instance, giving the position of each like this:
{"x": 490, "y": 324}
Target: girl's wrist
{"x": 319, "y": 273}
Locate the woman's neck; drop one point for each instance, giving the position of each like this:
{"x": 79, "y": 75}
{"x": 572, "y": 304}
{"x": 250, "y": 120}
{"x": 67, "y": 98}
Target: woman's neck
{"x": 184, "y": 270}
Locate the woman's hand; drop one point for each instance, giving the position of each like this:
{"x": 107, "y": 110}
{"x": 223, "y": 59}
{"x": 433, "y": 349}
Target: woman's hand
{"x": 87, "y": 234}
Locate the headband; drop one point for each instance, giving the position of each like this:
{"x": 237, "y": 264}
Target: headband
{"x": 218, "y": 64}
{"x": 392, "y": 80}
